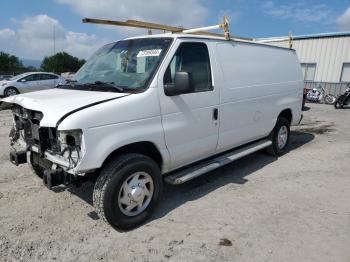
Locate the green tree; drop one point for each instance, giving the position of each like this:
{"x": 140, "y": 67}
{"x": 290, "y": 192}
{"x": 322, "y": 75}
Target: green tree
{"x": 10, "y": 64}
{"x": 61, "y": 62}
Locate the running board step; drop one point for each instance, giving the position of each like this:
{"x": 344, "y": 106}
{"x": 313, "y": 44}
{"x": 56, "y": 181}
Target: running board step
{"x": 202, "y": 168}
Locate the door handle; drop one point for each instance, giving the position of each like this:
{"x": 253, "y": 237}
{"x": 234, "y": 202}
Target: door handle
{"x": 215, "y": 114}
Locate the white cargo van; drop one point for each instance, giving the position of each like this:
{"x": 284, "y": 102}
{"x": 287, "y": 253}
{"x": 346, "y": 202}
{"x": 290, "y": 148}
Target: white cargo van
{"x": 164, "y": 107}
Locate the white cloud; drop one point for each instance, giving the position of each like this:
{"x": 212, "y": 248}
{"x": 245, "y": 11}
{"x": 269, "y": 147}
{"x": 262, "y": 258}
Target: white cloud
{"x": 35, "y": 36}
{"x": 40, "y": 27}
{"x": 6, "y": 33}
{"x": 81, "y": 44}
{"x": 188, "y": 13}
{"x": 299, "y": 11}
{"x": 343, "y": 21}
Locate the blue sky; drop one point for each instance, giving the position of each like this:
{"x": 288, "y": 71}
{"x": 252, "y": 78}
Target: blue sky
{"x": 27, "y": 27}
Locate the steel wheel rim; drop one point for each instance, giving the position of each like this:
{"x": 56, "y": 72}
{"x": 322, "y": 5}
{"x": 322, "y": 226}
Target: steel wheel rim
{"x": 330, "y": 99}
{"x": 135, "y": 194}
{"x": 282, "y": 137}
{"x": 11, "y": 92}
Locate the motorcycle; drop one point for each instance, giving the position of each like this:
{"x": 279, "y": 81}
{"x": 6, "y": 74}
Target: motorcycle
{"x": 343, "y": 99}
{"x": 318, "y": 95}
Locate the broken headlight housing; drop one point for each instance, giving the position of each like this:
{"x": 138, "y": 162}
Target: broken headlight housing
{"x": 72, "y": 146}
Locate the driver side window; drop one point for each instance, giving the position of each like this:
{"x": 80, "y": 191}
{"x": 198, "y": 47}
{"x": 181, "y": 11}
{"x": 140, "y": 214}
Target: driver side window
{"x": 194, "y": 59}
{"x": 34, "y": 77}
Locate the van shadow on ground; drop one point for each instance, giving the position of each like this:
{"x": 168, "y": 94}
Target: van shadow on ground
{"x": 235, "y": 173}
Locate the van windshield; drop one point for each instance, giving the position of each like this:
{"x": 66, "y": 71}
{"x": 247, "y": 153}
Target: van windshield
{"x": 125, "y": 65}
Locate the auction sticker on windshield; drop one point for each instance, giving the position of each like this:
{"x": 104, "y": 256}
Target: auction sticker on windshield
{"x": 150, "y": 52}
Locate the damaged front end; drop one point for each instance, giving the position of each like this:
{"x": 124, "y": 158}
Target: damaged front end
{"x": 57, "y": 153}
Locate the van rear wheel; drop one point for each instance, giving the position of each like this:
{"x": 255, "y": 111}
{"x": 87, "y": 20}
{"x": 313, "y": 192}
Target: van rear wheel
{"x": 127, "y": 191}
{"x": 279, "y": 137}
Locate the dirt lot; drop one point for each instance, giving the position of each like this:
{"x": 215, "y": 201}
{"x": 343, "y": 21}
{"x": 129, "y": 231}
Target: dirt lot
{"x": 296, "y": 208}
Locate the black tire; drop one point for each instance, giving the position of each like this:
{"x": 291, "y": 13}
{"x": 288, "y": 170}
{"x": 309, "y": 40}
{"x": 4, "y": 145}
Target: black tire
{"x": 329, "y": 99}
{"x": 37, "y": 170}
{"x": 10, "y": 91}
{"x": 108, "y": 185}
{"x": 303, "y": 105}
{"x": 274, "y": 149}
{"x": 339, "y": 102}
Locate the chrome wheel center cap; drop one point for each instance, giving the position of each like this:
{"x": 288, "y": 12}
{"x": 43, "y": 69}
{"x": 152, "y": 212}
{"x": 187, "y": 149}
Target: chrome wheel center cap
{"x": 282, "y": 137}
{"x": 137, "y": 194}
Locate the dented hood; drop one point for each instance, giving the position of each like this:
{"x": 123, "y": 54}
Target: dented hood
{"x": 56, "y": 104}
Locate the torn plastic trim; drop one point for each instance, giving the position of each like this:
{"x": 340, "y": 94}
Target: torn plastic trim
{"x": 86, "y": 106}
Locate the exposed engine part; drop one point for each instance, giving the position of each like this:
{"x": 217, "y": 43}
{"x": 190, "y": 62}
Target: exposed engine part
{"x": 57, "y": 177}
{"x": 14, "y": 136}
{"x": 52, "y": 178}
{"x": 18, "y": 157}
{"x": 64, "y": 148}
{"x": 26, "y": 126}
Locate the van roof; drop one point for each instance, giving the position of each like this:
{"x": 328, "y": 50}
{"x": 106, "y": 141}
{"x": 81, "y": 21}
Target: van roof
{"x": 182, "y": 35}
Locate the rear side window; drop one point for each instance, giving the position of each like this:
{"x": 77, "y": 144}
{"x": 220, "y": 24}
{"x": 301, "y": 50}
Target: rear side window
{"x": 194, "y": 59}
{"x": 34, "y": 77}
{"x": 47, "y": 77}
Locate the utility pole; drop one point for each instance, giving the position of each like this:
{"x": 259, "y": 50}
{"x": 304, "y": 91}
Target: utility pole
{"x": 54, "y": 46}
{"x": 54, "y": 39}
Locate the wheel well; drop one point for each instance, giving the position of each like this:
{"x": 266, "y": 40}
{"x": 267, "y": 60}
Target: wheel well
{"x": 144, "y": 148}
{"x": 287, "y": 114}
{"x": 11, "y": 87}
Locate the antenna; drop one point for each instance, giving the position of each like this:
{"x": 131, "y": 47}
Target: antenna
{"x": 54, "y": 39}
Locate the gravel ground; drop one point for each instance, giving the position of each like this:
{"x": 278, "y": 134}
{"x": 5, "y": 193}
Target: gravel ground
{"x": 259, "y": 208}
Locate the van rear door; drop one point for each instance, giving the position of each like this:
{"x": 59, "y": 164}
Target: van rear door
{"x": 190, "y": 121}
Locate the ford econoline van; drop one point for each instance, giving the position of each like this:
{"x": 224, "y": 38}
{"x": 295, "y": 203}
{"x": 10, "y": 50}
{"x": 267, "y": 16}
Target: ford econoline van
{"x": 150, "y": 109}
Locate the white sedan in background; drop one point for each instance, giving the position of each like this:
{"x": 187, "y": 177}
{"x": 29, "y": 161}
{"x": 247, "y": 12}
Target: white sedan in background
{"x": 29, "y": 82}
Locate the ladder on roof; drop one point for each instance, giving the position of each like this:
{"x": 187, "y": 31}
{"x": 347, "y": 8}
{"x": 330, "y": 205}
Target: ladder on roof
{"x": 288, "y": 38}
{"x": 171, "y": 29}
{"x": 195, "y": 31}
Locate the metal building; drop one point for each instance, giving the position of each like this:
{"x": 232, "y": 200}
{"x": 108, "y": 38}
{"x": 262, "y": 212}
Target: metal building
{"x": 325, "y": 58}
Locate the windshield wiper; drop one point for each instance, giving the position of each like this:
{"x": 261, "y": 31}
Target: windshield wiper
{"x": 96, "y": 86}
{"x": 110, "y": 84}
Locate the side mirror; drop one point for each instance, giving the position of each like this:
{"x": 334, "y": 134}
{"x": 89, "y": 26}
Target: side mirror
{"x": 23, "y": 80}
{"x": 182, "y": 85}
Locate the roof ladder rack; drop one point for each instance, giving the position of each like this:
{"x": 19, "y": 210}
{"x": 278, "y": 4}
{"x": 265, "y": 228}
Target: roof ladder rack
{"x": 166, "y": 28}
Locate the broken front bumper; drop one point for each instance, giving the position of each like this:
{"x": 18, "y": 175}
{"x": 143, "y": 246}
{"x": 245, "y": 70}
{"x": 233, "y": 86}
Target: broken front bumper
{"x": 55, "y": 169}
{"x": 55, "y": 159}
{"x": 18, "y": 157}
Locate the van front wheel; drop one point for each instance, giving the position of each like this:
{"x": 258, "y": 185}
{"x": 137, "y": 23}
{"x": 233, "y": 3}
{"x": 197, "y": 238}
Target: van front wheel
{"x": 127, "y": 191}
{"x": 279, "y": 137}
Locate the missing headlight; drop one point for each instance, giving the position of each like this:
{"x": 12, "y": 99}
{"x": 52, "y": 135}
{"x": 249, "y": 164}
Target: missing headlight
{"x": 70, "y": 140}
{"x": 71, "y": 146}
